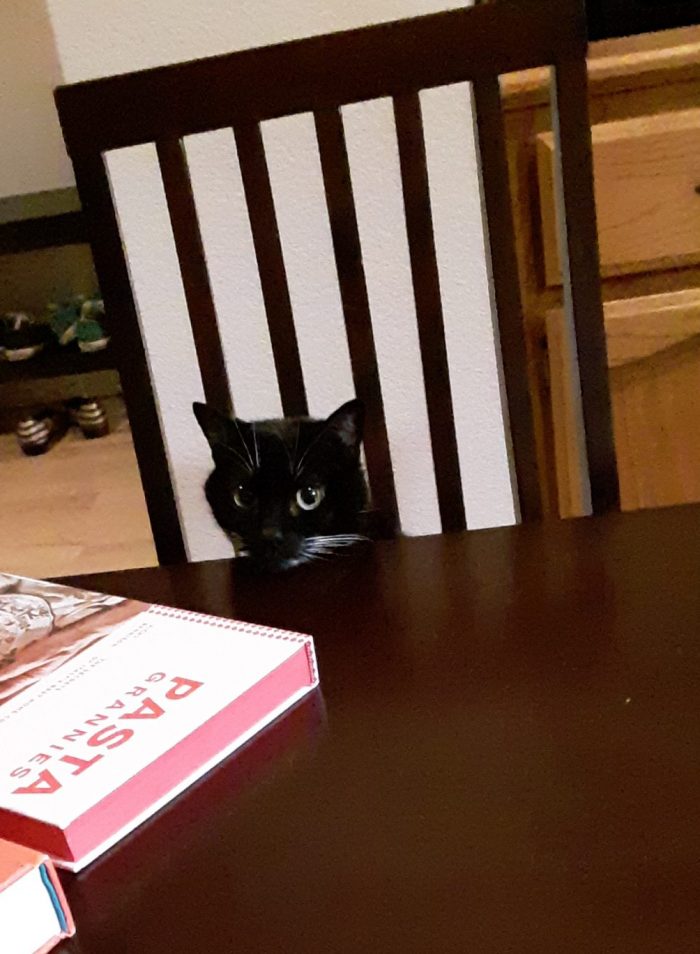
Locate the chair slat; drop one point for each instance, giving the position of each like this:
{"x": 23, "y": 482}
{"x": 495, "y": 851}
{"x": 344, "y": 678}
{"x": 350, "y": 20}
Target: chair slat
{"x": 273, "y": 278}
{"x": 195, "y": 278}
{"x": 358, "y": 321}
{"x": 132, "y": 364}
{"x": 495, "y": 189}
{"x": 431, "y": 330}
{"x": 581, "y": 271}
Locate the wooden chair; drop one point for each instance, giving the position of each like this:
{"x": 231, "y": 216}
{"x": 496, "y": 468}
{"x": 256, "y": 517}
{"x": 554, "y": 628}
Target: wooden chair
{"x": 320, "y": 75}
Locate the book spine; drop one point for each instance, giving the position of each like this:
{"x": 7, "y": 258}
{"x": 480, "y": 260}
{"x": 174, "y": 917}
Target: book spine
{"x": 254, "y": 629}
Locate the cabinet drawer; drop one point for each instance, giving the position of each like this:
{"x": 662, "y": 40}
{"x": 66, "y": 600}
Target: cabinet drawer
{"x": 647, "y": 186}
{"x": 654, "y": 360}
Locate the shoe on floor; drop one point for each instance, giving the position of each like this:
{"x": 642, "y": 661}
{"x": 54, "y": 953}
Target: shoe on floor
{"x": 89, "y": 415}
{"x": 21, "y": 337}
{"x": 37, "y": 431}
{"x": 64, "y": 319}
{"x": 89, "y": 331}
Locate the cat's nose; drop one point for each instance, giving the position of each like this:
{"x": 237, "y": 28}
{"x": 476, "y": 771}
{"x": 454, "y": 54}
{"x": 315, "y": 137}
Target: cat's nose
{"x": 272, "y": 534}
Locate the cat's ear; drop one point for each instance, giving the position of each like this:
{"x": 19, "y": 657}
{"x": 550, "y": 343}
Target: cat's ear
{"x": 348, "y": 423}
{"x": 223, "y": 433}
{"x": 214, "y": 424}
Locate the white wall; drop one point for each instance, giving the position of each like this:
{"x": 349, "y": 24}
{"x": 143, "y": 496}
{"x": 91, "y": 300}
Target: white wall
{"x": 32, "y": 157}
{"x": 102, "y": 37}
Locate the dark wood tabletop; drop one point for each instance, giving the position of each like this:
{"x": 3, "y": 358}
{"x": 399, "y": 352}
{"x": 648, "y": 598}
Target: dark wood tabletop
{"x": 504, "y": 757}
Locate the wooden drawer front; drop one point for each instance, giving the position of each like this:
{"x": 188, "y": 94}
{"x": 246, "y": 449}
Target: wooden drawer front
{"x": 654, "y": 359}
{"x": 647, "y": 171}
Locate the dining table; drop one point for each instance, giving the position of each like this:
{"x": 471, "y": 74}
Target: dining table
{"x": 503, "y": 756}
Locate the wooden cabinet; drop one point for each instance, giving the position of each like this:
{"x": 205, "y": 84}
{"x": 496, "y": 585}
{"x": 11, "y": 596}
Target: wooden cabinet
{"x": 645, "y": 113}
{"x": 654, "y": 362}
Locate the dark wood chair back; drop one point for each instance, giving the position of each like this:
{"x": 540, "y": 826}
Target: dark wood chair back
{"x": 320, "y": 75}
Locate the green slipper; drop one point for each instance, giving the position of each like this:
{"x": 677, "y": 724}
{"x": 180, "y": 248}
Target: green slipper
{"x": 89, "y": 332}
{"x": 64, "y": 320}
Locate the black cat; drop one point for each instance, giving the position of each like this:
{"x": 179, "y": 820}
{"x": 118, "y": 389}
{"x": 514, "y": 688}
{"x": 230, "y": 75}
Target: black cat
{"x": 290, "y": 490}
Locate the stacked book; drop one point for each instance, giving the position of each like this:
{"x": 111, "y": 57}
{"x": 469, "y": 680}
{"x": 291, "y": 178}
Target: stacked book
{"x": 109, "y": 708}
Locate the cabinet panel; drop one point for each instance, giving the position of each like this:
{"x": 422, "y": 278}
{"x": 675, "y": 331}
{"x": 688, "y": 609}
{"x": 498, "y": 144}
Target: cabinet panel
{"x": 654, "y": 359}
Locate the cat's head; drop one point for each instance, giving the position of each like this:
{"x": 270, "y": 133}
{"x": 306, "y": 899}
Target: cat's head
{"x": 287, "y": 490}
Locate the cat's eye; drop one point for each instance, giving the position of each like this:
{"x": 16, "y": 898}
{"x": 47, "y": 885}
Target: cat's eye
{"x": 309, "y": 498}
{"x": 243, "y": 497}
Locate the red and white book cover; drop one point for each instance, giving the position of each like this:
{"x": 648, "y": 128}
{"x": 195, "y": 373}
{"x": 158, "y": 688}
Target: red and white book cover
{"x": 110, "y": 707}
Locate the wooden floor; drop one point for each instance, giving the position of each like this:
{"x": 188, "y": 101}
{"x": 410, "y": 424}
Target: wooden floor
{"x": 79, "y": 508}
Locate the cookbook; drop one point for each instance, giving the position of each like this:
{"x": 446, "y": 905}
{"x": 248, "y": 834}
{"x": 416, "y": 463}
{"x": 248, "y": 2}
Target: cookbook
{"x": 110, "y": 707}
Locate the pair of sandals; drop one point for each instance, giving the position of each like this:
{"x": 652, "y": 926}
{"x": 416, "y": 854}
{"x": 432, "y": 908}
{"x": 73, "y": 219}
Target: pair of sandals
{"x": 39, "y": 430}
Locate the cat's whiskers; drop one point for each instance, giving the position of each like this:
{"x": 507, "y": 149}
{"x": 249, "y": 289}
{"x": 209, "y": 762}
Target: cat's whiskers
{"x": 247, "y": 464}
{"x": 255, "y": 445}
{"x": 245, "y": 447}
{"x": 296, "y": 449}
{"x": 327, "y": 545}
{"x": 334, "y": 538}
{"x": 301, "y": 460}
{"x": 306, "y": 555}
